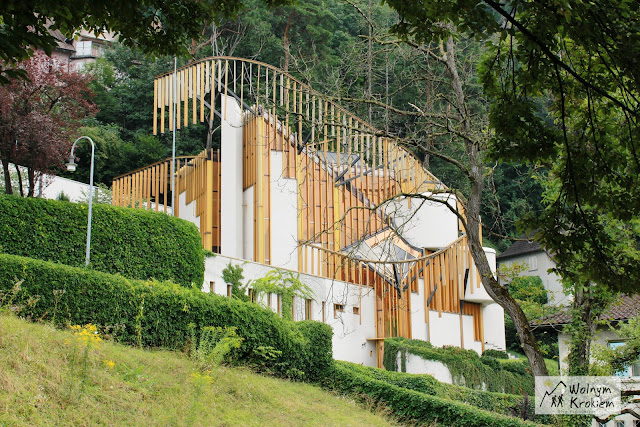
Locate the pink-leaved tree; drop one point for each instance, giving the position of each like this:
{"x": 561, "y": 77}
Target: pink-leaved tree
{"x": 38, "y": 118}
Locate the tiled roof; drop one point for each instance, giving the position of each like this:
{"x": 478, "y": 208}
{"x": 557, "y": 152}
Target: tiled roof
{"x": 623, "y": 309}
{"x": 520, "y": 247}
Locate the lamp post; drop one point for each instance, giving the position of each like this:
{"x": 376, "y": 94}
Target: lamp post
{"x": 71, "y": 167}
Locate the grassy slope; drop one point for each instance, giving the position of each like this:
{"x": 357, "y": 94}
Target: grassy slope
{"x": 41, "y": 383}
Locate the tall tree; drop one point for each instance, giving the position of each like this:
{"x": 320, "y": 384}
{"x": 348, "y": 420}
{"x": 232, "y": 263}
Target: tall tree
{"x": 38, "y": 116}
{"x": 565, "y": 88}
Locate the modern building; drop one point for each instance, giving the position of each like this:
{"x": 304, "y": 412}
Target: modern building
{"x": 302, "y": 186}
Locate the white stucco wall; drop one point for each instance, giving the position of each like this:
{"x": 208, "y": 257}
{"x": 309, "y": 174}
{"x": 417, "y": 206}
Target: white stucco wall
{"x": 417, "y": 365}
{"x": 231, "y": 200}
{"x": 247, "y": 223}
{"x": 284, "y": 219}
{"x": 426, "y": 224}
{"x": 50, "y": 186}
{"x": 493, "y": 320}
{"x": 187, "y": 211}
{"x": 350, "y": 336}
{"x": 419, "y": 328}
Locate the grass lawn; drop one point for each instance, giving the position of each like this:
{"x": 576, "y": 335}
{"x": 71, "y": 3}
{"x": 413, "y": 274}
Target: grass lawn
{"x": 45, "y": 379}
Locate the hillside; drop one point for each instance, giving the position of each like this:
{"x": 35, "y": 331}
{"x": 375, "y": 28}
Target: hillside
{"x": 44, "y": 380}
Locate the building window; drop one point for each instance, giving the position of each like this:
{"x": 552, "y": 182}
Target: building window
{"x": 269, "y": 300}
{"x": 337, "y": 308}
{"x": 307, "y": 309}
{"x": 356, "y": 310}
{"x": 279, "y": 305}
{"x": 620, "y": 423}
{"x": 212, "y": 286}
{"x": 252, "y": 295}
{"x": 229, "y": 287}
{"x": 84, "y": 48}
{"x": 324, "y": 317}
{"x": 533, "y": 263}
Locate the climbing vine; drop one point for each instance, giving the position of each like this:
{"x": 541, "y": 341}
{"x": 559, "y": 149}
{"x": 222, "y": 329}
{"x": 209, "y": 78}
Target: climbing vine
{"x": 233, "y": 274}
{"x": 283, "y": 283}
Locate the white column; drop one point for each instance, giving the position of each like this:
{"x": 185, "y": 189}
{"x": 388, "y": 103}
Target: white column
{"x": 231, "y": 187}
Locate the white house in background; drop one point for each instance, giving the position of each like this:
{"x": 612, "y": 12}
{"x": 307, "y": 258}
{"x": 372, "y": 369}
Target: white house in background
{"x": 303, "y": 186}
{"x": 72, "y": 54}
{"x": 620, "y": 311}
{"x": 537, "y": 263}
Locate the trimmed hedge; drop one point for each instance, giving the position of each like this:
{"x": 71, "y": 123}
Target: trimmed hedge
{"x": 413, "y": 406}
{"x": 158, "y": 314}
{"x": 466, "y": 367}
{"x": 133, "y": 242}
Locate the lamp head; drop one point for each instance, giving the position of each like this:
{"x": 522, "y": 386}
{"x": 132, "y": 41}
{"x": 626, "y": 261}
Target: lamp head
{"x": 71, "y": 166}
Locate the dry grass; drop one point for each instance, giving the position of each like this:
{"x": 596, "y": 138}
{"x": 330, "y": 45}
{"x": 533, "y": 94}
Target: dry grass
{"x": 41, "y": 383}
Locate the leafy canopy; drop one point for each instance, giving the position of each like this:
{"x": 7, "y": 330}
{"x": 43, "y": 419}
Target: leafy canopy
{"x": 155, "y": 26}
{"x": 564, "y": 85}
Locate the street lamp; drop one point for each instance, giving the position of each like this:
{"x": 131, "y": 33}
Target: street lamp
{"x": 71, "y": 167}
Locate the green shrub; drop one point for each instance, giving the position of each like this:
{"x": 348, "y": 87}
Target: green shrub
{"x": 505, "y": 404}
{"x": 133, "y": 242}
{"x": 413, "y": 406}
{"x": 498, "y": 354}
{"x": 466, "y": 367}
{"x": 158, "y": 314}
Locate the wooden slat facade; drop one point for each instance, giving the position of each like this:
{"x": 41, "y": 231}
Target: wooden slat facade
{"x": 344, "y": 170}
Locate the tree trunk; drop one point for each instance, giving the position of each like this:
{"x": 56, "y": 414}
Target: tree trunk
{"x": 8, "y": 189}
{"x": 499, "y": 294}
{"x": 286, "y": 42}
{"x": 19, "y": 181}
{"x": 31, "y": 177}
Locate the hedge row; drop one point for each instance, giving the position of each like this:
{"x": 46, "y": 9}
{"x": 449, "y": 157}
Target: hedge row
{"x": 413, "y": 406}
{"x": 505, "y": 404}
{"x": 466, "y": 366}
{"x": 133, "y": 242}
{"x": 158, "y": 314}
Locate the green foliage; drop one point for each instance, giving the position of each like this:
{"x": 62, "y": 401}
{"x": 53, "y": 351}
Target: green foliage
{"x": 466, "y": 367}
{"x": 528, "y": 288}
{"x": 62, "y": 197}
{"x": 284, "y": 283}
{"x": 498, "y": 354}
{"x": 411, "y": 406}
{"x": 158, "y": 314}
{"x": 505, "y": 404}
{"x": 155, "y": 26}
{"x": 213, "y": 345}
{"x": 233, "y": 274}
{"x": 133, "y": 242}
